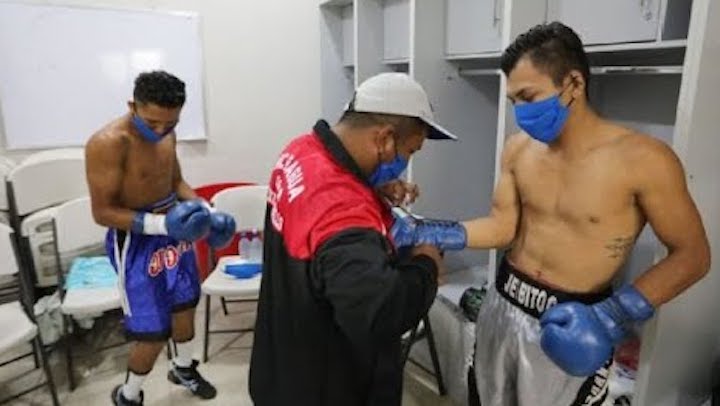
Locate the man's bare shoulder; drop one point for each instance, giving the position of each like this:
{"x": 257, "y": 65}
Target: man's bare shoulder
{"x": 650, "y": 159}
{"x": 514, "y": 145}
{"x": 644, "y": 149}
{"x": 112, "y": 139}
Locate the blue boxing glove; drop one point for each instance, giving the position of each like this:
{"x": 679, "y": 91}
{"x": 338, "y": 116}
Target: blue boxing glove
{"x": 186, "y": 221}
{"x": 222, "y": 229}
{"x": 409, "y": 230}
{"x": 580, "y": 338}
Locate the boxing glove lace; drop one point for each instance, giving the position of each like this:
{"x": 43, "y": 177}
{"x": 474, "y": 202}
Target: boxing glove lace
{"x": 186, "y": 221}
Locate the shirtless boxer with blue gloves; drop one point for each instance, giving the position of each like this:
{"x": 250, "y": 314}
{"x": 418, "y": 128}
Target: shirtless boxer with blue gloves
{"x": 574, "y": 193}
{"x": 153, "y": 216}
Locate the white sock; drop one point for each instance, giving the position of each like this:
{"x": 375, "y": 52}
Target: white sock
{"x": 133, "y": 384}
{"x": 184, "y": 354}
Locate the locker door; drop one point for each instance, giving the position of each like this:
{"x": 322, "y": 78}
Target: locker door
{"x": 608, "y": 21}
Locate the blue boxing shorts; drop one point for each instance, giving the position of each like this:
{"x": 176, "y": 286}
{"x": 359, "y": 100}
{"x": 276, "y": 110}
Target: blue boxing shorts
{"x": 157, "y": 276}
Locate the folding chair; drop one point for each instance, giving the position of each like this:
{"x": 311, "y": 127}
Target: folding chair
{"x": 424, "y": 330}
{"x": 6, "y": 166}
{"x": 202, "y": 249}
{"x": 66, "y": 170}
{"x": 75, "y": 232}
{"x": 17, "y": 318}
{"x": 247, "y": 204}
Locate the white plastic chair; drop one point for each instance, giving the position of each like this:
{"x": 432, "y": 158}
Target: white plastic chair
{"x": 18, "y": 328}
{"x": 247, "y": 204}
{"x": 6, "y": 166}
{"x": 43, "y": 180}
{"x": 46, "y": 179}
{"x": 57, "y": 153}
{"x": 75, "y": 231}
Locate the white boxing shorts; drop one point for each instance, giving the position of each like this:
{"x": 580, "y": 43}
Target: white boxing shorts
{"x": 510, "y": 366}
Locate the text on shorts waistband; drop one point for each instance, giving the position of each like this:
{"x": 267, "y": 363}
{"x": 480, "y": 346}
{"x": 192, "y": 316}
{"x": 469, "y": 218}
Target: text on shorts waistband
{"x": 532, "y": 296}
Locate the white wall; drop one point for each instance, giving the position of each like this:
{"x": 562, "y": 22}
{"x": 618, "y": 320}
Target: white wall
{"x": 262, "y": 82}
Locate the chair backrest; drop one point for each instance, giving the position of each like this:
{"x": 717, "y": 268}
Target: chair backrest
{"x": 202, "y": 249}
{"x": 12, "y": 282}
{"x": 50, "y": 154}
{"x": 246, "y": 203}
{"x": 8, "y": 258}
{"x": 74, "y": 226}
{"x": 47, "y": 179}
{"x": 6, "y": 166}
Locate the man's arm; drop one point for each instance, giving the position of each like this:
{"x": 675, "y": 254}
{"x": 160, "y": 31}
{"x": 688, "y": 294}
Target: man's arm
{"x": 664, "y": 199}
{"x": 104, "y": 155}
{"x": 498, "y": 229}
{"x": 182, "y": 189}
{"x": 373, "y": 300}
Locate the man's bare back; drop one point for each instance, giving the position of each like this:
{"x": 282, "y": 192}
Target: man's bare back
{"x": 579, "y": 212}
{"x": 138, "y": 173}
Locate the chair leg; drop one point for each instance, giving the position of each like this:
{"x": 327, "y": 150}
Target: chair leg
{"x": 224, "y": 305}
{"x": 408, "y": 345}
{"x": 206, "y": 344}
{"x": 434, "y": 356}
{"x": 68, "y": 353}
{"x": 36, "y": 351}
{"x": 48, "y": 372}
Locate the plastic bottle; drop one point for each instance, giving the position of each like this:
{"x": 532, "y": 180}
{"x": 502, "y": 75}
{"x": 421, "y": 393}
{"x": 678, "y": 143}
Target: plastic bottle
{"x": 256, "y": 248}
{"x": 244, "y": 246}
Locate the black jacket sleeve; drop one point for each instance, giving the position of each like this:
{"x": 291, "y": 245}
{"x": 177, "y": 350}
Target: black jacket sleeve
{"x": 374, "y": 297}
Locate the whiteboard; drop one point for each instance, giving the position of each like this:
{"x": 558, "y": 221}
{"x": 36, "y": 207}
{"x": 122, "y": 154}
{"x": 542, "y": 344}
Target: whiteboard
{"x": 65, "y": 72}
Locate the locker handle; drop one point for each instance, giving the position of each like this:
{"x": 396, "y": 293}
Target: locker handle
{"x": 496, "y": 18}
{"x": 646, "y": 9}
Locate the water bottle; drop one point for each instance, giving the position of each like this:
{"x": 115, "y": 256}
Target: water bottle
{"x": 244, "y": 246}
{"x": 256, "y": 248}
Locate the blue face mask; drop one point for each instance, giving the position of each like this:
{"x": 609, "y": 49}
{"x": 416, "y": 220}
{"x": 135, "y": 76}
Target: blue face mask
{"x": 542, "y": 120}
{"x": 387, "y": 172}
{"x": 147, "y": 132}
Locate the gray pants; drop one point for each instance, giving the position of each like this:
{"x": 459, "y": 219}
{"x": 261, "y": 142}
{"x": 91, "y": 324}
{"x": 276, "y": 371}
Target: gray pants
{"x": 512, "y": 369}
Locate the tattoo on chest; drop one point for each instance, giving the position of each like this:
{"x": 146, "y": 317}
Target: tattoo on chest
{"x": 618, "y": 247}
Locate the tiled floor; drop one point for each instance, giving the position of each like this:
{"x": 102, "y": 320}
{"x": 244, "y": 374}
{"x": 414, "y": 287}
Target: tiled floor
{"x": 99, "y": 372}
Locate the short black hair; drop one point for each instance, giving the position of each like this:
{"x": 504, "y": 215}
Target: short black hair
{"x": 554, "y": 47}
{"x": 160, "y": 88}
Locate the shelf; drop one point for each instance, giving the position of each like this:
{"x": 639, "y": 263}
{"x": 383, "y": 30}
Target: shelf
{"x": 399, "y": 61}
{"x": 636, "y": 46}
{"x": 474, "y": 57}
{"x": 663, "y": 53}
{"x": 595, "y": 70}
{"x": 336, "y": 3}
{"x": 478, "y": 72}
{"x": 637, "y": 70}
{"x": 475, "y": 62}
{"x": 591, "y": 49}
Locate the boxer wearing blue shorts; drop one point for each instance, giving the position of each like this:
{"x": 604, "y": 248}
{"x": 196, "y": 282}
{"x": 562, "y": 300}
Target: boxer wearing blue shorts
{"x": 153, "y": 216}
{"x": 158, "y": 277}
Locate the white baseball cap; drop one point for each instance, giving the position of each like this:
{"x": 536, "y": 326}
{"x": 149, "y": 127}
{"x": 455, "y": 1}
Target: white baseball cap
{"x": 397, "y": 94}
